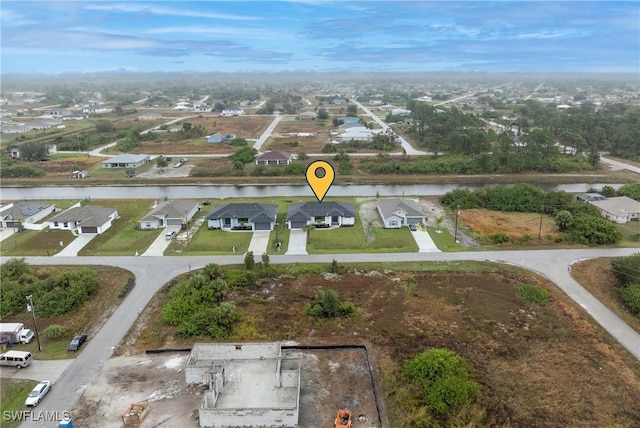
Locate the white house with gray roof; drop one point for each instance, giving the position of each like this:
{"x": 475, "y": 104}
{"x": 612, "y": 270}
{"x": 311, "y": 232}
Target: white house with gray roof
{"x": 320, "y": 214}
{"x": 170, "y": 213}
{"x": 396, "y": 213}
{"x": 243, "y": 216}
{"x": 125, "y": 160}
{"x": 89, "y": 219}
{"x": 618, "y": 210}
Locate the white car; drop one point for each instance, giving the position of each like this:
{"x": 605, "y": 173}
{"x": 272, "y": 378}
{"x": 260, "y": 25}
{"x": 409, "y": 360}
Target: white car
{"x": 38, "y": 393}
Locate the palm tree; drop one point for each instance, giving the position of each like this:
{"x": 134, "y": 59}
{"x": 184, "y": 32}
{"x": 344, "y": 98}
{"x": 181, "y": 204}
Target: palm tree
{"x": 307, "y": 228}
{"x": 439, "y": 220}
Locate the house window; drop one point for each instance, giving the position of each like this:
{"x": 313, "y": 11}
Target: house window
{"x": 243, "y": 220}
{"x": 393, "y": 223}
{"x": 148, "y": 226}
{"x": 55, "y": 224}
{"x": 319, "y": 219}
{"x": 65, "y": 224}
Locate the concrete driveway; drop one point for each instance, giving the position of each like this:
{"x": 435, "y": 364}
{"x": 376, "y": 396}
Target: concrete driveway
{"x": 259, "y": 242}
{"x": 71, "y": 250}
{"x": 297, "y": 243}
{"x": 38, "y": 370}
{"x": 161, "y": 243}
{"x": 424, "y": 241}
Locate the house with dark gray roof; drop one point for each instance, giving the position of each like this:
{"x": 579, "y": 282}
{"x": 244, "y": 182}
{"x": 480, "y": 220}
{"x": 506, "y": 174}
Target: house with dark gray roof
{"x": 84, "y": 220}
{"x": 396, "y": 213}
{"x": 170, "y": 213}
{"x": 243, "y": 216}
{"x": 274, "y": 158}
{"x": 320, "y": 214}
{"x": 24, "y": 214}
{"x": 125, "y": 160}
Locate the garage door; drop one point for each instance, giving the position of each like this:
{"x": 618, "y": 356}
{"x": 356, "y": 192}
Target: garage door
{"x": 298, "y": 224}
{"x": 174, "y": 222}
{"x": 89, "y": 230}
{"x": 262, "y": 226}
{"x": 413, "y": 220}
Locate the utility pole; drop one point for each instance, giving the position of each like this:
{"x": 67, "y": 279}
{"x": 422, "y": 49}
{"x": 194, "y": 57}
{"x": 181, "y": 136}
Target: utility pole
{"x": 540, "y": 228}
{"x": 186, "y": 222}
{"x": 455, "y": 235}
{"x": 32, "y": 309}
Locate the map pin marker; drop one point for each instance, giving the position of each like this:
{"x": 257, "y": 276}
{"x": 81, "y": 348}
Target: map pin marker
{"x": 320, "y": 175}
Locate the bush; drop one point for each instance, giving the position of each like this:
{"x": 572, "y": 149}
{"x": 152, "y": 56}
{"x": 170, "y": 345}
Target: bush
{"x": 627, "y": 269}
{"x": 533, "y": 293}
{"x": 241, "y": 279}
{"x": 498, "y": 238}
{"x": 326, "y": 305}
{"x": 444, "y": 378}
{"x": 54, "y": 332}
{"x": 631, "y": 297}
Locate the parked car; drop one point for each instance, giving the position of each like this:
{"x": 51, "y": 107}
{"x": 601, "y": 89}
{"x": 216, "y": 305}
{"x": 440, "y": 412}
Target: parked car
{"x": 170, "y": 235}
{"x": 37, "y": 393}
{"x": 413, "y": 227}
{"x": 77, "y": 342}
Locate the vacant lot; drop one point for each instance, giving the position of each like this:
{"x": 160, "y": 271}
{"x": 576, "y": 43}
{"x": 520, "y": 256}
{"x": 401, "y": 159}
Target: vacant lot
{"x": 522, "y": 227}
{"x": 296, "y": 136}
{"x": 538, "y": 365}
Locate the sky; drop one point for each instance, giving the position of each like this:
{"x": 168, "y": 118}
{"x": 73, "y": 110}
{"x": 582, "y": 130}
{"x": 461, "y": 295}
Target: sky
{"x": 305, "y": 35}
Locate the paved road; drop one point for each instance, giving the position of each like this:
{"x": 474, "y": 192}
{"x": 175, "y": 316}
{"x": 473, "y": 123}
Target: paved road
{"x": 152, "y": 272}
{"x": 619, "y": 165}
{"x": 267, "y": 133}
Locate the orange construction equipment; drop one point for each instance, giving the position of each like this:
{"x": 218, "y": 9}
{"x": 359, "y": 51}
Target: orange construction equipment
{"x": 343, "y": 420}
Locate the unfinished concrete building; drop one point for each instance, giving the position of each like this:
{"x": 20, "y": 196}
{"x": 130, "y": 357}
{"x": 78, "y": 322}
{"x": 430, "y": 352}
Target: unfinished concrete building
{"x": 249, "y": 384}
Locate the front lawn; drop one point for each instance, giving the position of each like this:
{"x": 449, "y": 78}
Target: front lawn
{"x": 216, "y": 242}
{"x": 13, "y": 392}
{"x": 392, "y": 240}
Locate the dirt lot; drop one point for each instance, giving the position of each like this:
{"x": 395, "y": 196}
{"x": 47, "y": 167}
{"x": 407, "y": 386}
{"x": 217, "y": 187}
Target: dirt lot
{"x": 310, "y": 136}
{"x": 537, "y": 365}
{"x": 514, "y": 225}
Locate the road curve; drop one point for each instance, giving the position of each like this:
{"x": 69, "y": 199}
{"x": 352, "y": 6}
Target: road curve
{"x": 153, "y": 272}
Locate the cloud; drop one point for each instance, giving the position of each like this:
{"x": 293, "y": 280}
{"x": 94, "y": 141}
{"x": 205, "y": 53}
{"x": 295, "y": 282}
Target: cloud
{"x": 260, "y": 33}
{"x": 10, "y": 18}
{"x": 158, "y": 10}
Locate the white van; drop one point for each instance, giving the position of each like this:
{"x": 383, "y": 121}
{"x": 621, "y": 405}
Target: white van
{"x": 170, "y": 235}
{"x": 18, "y": 359}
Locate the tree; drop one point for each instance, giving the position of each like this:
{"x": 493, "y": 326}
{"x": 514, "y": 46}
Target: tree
{"x": 244, "y": 155}
{"x": 161, "y": 162}
{"x": 439, "y": 221}
{"x": 33, "y": 151}
{"x": 308, "y": 228}
{"x": 104, "y": 125}
{"x": 249, "y": 261}
{"x": 564, "y": 220}
{"x": 352, "y": 110}
{"x": 322, "y": 114}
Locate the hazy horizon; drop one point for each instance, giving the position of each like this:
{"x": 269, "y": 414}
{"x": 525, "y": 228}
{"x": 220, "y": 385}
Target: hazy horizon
{"x": 305, "y": 36}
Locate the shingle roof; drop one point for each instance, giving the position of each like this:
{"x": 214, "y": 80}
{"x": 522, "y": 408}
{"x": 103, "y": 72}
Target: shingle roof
{"x": 621, "y": 205}
{"x": 276, "y": 155}
{"x": 307, "y": 210}
{"x": 89, "y": 215}
{"x": 254, "y": 212}
{"x": 389, "y": 206}
{"x": 171, "y": 209}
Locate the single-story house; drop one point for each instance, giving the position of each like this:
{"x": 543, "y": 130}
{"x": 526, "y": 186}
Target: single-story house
{"x": 400, "y": 112}
{"x": 202, "y": 108}
{"x": 357, "y": 133}
{"x": 320, "y": 214}
{"x": 149, "y": 116}
{"x": 125, "y": 160}
{"x": 396, "y": 213}
{"x": 219, "y": 137}
{"x": 307, "y": 115}
{"x": 618, "y": 210}
{"x": 170, "y": 213}
{"x": 21, "y": 214}
{"x": 274, "y": 158}
{"x": 232, "y": 111}
{"x": 96, "y": 109}
{"x": 254, "y": 216}
{"x": 84, "y": 220}
{"x": 176, "y": 128}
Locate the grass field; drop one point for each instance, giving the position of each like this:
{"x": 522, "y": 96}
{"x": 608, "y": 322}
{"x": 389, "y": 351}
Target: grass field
{"x": 13, "y": 392}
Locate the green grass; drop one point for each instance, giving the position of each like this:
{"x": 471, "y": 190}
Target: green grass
{"x": 36, "y": 243}
{"x": 13, "y": 393}
{"x": 340, "y": 240}
{"x": 628, "y": 230}
{"x": 218, "y": 242}
{"x": 122, "y": 238}
{"x": 444, "y": 240}
{"x": 392, "y": 240}
{"x": 51, "y": 349}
